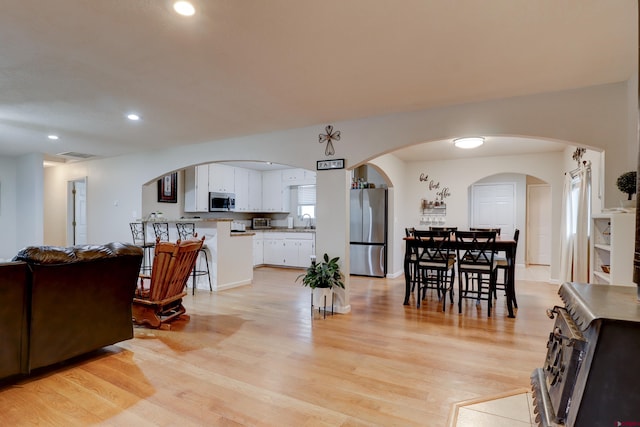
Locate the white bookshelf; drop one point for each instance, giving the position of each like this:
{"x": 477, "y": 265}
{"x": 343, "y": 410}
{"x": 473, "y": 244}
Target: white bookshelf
{"x": 612, "y": 244}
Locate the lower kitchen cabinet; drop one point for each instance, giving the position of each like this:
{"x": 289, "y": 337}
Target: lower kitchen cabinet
{"x": 290, "y": 249}
{"x": 258, "y": 248}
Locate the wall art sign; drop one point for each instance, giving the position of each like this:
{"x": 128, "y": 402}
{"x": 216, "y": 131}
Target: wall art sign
{"x": 323, "y": 165}
{"x": 436, "y": 204}
{"x": 168, "y": 188}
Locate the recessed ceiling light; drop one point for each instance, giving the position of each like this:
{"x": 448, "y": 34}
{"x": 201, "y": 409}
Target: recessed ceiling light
{"x": 467, "y": 143}
{"x": 184, "y": 8}
{"x": 53, "y": 137}
{"x": 133, "y": 117}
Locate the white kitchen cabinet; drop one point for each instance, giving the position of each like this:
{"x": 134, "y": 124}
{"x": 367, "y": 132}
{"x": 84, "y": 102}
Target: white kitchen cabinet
{"x": 221, "y": 178}
{"x": 289, "y": 249}
{"x": 612, "y": 245}
{"x": 241, "y": 185}
{"x": 275, "y": 196}
{"x": 306, "y": 248}
{"x": 248, "y": 190}
{"x": 255, "y": 191}
{"x": 196, "y": 189}
{"x": 258, "y": 248}
{"x": 273, "y": 248}
{"x": 298, "y": 176}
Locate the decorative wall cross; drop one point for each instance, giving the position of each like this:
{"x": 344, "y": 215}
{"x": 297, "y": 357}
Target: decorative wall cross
{"x": 328, "y": 137}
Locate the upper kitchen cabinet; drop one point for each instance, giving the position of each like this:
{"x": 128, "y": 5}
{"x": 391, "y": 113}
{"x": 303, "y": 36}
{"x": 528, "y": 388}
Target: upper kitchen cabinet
{"x": 196, "y": 189}
{"x": 248, "y": 190}
{"x": 255, "y": 191}
{"x": 298, "y": 177}
{"x": 221, "y": 178}
{"x": 275, "y": 195}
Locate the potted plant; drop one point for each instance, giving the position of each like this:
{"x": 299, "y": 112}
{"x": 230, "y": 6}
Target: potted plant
{"x": 321, "y": 277}
{"x": 627, "y": 183}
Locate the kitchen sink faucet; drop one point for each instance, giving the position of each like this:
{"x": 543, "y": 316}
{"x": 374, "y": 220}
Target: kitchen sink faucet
{"x": 308, "y": 222}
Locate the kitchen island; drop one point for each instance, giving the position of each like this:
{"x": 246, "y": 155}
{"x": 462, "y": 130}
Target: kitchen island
{"x": 229, "y": 252}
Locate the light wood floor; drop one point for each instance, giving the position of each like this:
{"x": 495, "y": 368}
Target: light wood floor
{"x": 254, "y": 356}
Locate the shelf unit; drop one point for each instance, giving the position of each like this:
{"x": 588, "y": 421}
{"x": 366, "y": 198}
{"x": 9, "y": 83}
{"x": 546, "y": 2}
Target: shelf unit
{"x": 612, "y": 244}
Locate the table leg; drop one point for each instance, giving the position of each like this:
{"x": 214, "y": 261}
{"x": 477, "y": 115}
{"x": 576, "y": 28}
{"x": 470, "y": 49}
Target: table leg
{"x": 407, "y": 273}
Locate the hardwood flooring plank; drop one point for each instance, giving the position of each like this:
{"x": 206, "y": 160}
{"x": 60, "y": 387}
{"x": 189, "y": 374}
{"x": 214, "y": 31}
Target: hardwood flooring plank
{"x": 257, "y": 356}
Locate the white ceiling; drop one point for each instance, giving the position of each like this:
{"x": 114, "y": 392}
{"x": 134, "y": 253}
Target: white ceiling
{"x": 76, "y": 67}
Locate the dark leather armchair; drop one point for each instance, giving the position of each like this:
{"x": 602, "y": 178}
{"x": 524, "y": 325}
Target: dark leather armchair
{"x": 80, "y": 299}
{"x": 13, "y": 318}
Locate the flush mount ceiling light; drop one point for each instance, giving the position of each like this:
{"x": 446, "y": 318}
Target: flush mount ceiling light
{"x": 468, "y": 143}
{"x": 53, "y": 137}
{"x": 184, "y": 8}
{"x": 133, "y": 117}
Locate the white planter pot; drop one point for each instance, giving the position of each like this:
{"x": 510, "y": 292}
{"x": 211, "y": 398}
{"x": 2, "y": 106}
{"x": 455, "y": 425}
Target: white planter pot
{"x": 318, "y": 296}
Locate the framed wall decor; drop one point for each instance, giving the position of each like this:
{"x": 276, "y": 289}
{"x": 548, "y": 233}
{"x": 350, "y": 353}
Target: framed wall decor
{"x": 168, "y": 188}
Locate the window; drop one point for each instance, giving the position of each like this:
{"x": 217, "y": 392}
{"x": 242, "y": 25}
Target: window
{"x": 307, "y": 201}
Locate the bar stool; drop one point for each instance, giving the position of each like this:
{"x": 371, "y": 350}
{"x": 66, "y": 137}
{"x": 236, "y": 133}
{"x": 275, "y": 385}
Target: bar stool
{"x": 161, "y": 230}
{"x": 187, "y": 230}
{"x": 140, "y": 239}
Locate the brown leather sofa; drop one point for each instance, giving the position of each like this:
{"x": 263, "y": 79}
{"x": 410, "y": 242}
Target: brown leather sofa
{"x": 57, "y": 303}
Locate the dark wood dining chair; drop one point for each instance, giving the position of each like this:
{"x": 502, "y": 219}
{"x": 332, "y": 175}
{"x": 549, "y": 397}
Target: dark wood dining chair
{"x": 497, "y": 230}
{"x": 435, "y": 265}
{"x": 449, "y": 229}
{"x": 408, "y": 232}
{"x": 476, "y": 251}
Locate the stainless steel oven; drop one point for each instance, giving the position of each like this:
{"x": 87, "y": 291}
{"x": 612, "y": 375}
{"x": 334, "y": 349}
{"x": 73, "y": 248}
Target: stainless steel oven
{"x": 222, "y": 202}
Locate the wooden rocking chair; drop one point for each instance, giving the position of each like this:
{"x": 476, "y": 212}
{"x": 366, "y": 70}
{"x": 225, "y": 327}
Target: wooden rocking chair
{"x": 158, "y": 298}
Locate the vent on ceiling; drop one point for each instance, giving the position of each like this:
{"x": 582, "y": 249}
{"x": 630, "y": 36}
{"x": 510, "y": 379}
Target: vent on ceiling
{"x": 76, "y": 155}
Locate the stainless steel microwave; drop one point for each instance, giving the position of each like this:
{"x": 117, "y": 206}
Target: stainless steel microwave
{"x": 222, "y": 202}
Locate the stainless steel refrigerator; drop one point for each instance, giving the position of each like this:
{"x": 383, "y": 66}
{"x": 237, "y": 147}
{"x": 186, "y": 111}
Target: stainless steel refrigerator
{"x": 368, "y": 229}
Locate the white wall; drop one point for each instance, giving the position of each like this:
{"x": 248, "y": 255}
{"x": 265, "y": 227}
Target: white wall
{"x": 8, "y": 208}
{"x": 592, "y": 117}
{"x": 30, "y": 191}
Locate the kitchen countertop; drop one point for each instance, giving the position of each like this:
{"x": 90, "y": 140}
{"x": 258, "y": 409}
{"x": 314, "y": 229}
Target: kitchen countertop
{"x": 242, "y": 233}
{"x": 186, "y": 220}
{"x": 285, "y": 230}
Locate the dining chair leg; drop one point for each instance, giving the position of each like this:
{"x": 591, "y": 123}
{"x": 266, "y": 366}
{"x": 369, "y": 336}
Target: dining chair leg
{"x": 453, "y": 278}
{"x": 459, "y": 293}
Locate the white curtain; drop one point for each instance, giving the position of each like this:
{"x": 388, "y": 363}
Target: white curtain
{"x": 575, "y": 230}
{"x": 566, "y": 232}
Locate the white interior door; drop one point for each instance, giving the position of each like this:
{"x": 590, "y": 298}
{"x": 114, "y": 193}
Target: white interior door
{"x": 538, "y": 224}
{"x": 494, "y": 206}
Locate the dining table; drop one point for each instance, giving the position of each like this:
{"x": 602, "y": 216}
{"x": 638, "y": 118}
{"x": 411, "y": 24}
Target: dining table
{"x": 502, "y": 244}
